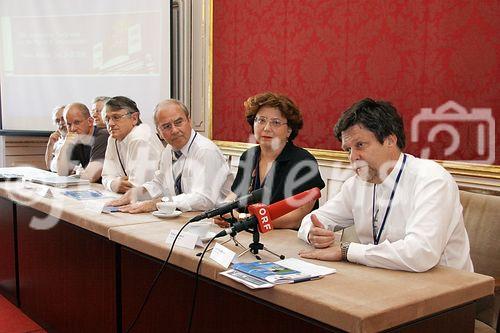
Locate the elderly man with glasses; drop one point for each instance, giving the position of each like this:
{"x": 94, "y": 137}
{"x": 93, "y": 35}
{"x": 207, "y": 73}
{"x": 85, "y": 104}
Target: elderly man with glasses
{"x": 193, "y": 172}
{"x": 56, "y": 139}
{"x": 96, "y": 109}
{"x": 133, "y": 148}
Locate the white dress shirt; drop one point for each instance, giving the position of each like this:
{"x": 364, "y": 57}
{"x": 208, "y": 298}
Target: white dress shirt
{"x": 140, "y": 153}
{"x": 206, "y": 178}
{"x": 424, "y": 226}
{"x": 55, "y": 154}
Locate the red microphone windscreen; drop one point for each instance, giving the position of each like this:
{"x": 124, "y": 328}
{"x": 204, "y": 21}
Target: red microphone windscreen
{"x": 261, "y": 213}
{"x": 287, "y": 205}
{"x": 266, "y": 214}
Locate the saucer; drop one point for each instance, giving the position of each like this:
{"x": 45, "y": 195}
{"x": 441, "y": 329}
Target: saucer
{"x": 167, "y": 216}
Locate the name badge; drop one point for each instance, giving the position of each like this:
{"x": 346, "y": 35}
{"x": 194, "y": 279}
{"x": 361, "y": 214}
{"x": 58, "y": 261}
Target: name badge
{"x": 222, "y": 255}
{"x": 45, "y": 192}
{"x": 185, "y": 239}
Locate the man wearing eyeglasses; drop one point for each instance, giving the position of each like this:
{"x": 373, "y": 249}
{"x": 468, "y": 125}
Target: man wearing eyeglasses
{"x": 133, "y": 149}
{"x": 96, "y": 108}
{"x": 193, "y": 173}
{"x": 84, "y": 145}
{"x": 406, "y": 211}
{"x": 56, "y": 139}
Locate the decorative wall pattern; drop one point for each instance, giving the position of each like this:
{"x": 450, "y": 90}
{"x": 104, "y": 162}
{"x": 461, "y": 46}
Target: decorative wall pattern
{"x": 328, "y": 54}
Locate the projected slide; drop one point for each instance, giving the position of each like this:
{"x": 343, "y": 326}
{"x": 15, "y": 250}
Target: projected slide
{"x": 58, "y": 55}
{"x": 105, "y": 44}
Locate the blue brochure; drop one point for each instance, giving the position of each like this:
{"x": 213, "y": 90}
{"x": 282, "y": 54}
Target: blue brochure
{"x": 271, "y": 272}
{"x": 84, "y": 195}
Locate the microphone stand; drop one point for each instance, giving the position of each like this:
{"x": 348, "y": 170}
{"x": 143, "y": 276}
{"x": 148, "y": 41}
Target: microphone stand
{"x": 256, "y": 245}
{"x": 232, "y": 237}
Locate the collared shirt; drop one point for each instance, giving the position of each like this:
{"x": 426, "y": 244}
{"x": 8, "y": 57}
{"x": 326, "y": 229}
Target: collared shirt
{"x": 179, "y": 161}
{"x": 206, "y": 178}
{"x": 424, "y": 227}
{"x": 139, "y": 152}
{"x": 55, "y": 154}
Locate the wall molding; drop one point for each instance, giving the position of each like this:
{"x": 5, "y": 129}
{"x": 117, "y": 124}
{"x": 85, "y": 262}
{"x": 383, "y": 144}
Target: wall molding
{"x": 477, "y": 177}
{"x": 470, "y": 176}
{"x": 23, "y": 151}
{"x": 197, "y": 67}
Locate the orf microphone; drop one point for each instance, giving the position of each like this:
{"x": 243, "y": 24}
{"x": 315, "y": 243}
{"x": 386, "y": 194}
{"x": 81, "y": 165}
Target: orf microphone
{"x": 240, "y": 202}
{"x": 272, "y": 212}
{"x": 263, "y": 215}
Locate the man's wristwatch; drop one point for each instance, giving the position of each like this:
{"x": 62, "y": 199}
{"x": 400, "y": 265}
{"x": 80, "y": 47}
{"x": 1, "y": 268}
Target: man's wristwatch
{"x": 344, "y": 246}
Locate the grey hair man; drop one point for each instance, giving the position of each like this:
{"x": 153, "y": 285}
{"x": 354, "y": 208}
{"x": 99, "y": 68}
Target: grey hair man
{"x": 56, "y": 139}
{"x": 133, "y": 149}
{"x": 193, "y": 173}
{"x": 96, "y": 110}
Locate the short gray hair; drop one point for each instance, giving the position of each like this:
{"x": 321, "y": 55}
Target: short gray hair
{"x": 56, "y": 110}
{"x": 100, "y": 99}
{"x": 166, "y": 102}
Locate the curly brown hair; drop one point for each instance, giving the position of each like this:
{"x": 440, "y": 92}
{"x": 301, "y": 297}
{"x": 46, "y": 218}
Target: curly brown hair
{"x": 281, "y": 102}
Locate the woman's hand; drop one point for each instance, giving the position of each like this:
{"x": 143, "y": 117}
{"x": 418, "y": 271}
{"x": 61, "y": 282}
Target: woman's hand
{"x": 221, "y": 222}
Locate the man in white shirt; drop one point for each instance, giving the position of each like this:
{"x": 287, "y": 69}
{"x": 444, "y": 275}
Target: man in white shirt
{"x": 56, "y": 139}
{"x": 133, "y": 150}
{"x": 193, "y": 173}
{"x": 405, "y": 210}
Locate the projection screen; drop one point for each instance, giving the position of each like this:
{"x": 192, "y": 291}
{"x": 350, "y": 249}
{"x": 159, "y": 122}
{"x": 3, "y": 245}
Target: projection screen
{"x": 57, "y": 52}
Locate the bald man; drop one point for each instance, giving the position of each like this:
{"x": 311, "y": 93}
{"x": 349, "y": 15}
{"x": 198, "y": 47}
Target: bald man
{"x": 84, "y": 146}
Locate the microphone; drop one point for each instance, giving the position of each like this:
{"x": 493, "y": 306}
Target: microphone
{"x": 240, "y": 202}
{"x": 263, "y": 214}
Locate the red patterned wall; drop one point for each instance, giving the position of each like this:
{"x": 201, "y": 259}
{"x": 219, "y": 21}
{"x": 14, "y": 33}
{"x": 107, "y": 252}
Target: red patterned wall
{"x": 328, "y": 54}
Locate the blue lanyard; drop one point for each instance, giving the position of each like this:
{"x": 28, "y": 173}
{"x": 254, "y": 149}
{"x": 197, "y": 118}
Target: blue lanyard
{"x": 376, "y": 238}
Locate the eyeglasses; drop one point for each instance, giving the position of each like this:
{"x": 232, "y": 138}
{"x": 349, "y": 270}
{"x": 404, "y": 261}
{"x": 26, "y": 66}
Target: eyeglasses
{"x": 263, "y": 121}
{"x": 169, "y": 126}
{"x": 116, "y": 117}
{"x": 75, "y": 122}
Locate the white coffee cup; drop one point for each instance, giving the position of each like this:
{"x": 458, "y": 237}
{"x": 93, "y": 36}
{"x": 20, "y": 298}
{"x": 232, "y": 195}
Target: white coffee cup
{"x": 166, "y": 207}
{"x": 199, "y": 228}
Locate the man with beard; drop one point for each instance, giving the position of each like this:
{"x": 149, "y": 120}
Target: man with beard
{"x": 406, "y": 211}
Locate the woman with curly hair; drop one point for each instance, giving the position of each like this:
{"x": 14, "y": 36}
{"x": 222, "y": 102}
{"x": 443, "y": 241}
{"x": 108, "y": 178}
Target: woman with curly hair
{"x": 276, "y": 164}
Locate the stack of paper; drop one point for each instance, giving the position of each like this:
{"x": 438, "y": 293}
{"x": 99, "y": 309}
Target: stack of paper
{"x": 267, "y": 274}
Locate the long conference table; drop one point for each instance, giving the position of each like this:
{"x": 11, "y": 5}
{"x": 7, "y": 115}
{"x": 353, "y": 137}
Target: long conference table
{"x": 73, "y": 269}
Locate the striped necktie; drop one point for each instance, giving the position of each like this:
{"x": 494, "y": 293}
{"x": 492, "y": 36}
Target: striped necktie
{"x": 177, "y": 171}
